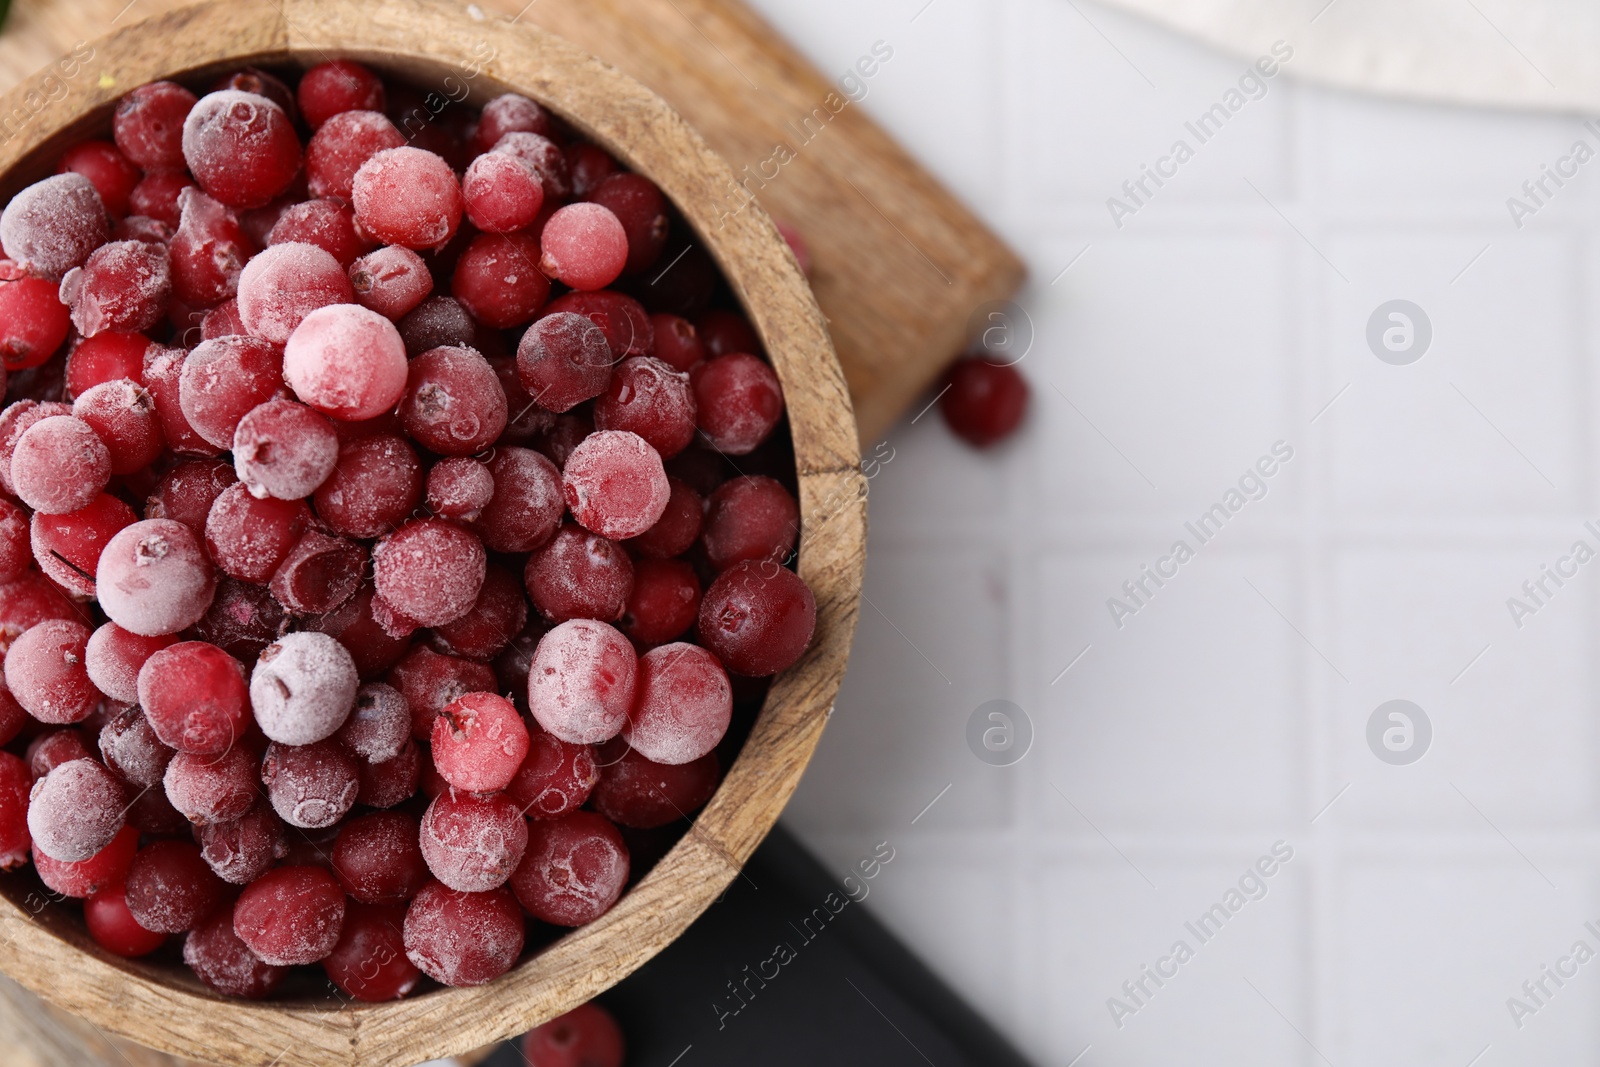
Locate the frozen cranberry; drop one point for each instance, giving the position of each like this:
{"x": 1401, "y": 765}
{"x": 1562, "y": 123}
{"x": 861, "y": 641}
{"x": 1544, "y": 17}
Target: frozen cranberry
{"x": 335, "y": 87}
{"x": 75, "y": 810}
{"x": 527, "y": 504}
{"x": 159, "y": 196}
{"x": 303, "y": 688}
{"x": 113, "y": 926}
{"x": 725, "y": 332}
{"x": 29, "y": 601}
{"x": 544, "y": 156}
{"x": 369, "y": 962}
{"x": 341, "y": 145}
{"x": 283, "y": 449}
{"x": 243, "y": 619}
{"x": 46, "y": 675}
{"x": 33, "y": 320}
{"x": 459, "y": 488}
{"x": 984, "y": 402}
{"x": 59, "y": 465}
{"x": 621, "y": 318}
{"x": 584, "y": 246}
{"x": 50, "y": 750}
{"x": 738, "y": 402}
{"x": 148, "y": 124}
{"x": 431, "y": 682}
{"x": 108, "y": 170}
{"x": 378, "y": 860}
{"x": 223, "y": 961}
{"x": 682, "y": 706}
{"x": 223, "y": 380}
{"x": 105, "y": 868}
{"x": 240, "y": 147}
{"x": 391, "y": 281}
{"x": 750, "y": 518}
{"x": 14, "y": 547}
{"x": 614, "y": 484}
{"x": 556, "y": 777}
{"x": 429, "y": 571}
{"x": 172, "y": 888}
{"x": 564, "y": 359}
{"x": 407, "y": 196}
{"x": 664, "y": 603}
{"x": 677, "y": 343}
{"x": 586, "y": 1036}
{"x": 12, "y": 717}
{"x": 290, "y": 915}
{"x": 579, "y": 575}
{"x": 375, "y": 485}
{"x": 319, "y": 574}
{"x": 453, "y": 402}
{"x": 589, "y": 165}
{"x": 123, "y": 286}
{"x": 250, "y": 537}
{"x": 506, "y": 113}
{"x": 17, "y": 419}
{"x": 310, "y": 786}
{"x": 473, "y": 842}
{"x": 758, "y": 618}
{"x": 439, "y": 321}
{"x": 679, "y": 525}
{"x": 498, "y": 279}
{"x": 130, "y": 747}
{"x": 642, "y": 211}
{"x": 479, "y": 742}
{"x": 208, "y": 251}
{"x": 499, "y": 614}
{"x": 195, "y": 697}
{"x": 463, "y": 939}
{"x": 285, "y": 283}
{"x": 15, "y": 784}
{"x": 647, "y": 397}
{"x": 241, "y": 850}
{"x": 113, "y": 657}
{"x": 380, "y": 724}
{"x": 354, "y": 626}
{"x": 635, "y": 792}
{"x": 574, "y": 869}
{"x": 163, "y": 377}
{"x": 212, "y": 789}
{"x": 123, "y": 415}
{"x": 501, "y": 193}
{"x": 347, "y": 362}
{"x": 68, "y": 546}
{"x": 582, "y": 680}
{"x": 393, "y": 781}
{"x": 52, "y": 225}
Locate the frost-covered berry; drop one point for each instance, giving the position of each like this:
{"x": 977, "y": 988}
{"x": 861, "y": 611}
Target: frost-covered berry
{"x": 303, "y": 688}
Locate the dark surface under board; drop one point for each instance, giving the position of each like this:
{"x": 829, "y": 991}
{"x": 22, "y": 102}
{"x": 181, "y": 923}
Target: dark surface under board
{"x": 851, "y": 993}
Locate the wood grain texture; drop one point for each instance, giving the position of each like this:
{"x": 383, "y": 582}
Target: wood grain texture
{"x": 900, "y": 265}
{"x": 44, "y": 947}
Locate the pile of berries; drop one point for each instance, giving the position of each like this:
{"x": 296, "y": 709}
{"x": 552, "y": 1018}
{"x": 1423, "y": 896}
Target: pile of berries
{"x": 392, "y": 527}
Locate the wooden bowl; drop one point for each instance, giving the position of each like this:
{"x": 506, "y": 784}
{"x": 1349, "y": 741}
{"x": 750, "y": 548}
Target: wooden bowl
{"x": 456, "y": 49}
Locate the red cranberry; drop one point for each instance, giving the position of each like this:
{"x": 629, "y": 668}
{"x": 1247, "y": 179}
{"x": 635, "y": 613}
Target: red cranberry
{"x": 758, "y": 618}
{"x": 370, "y": 962}
{"x": 635, "y": 792}
{"x": 586, "y": 1036}
{"x": 574, "y": 869}
{"x": 463, "y": 939}
{"x": 240, "y": 147}
{"x": 579, "y": 575}
{"x": 984, "y": 403}
{"x": 290, "y": 915}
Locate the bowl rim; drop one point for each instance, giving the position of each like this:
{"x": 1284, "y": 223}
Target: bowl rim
{"x": 48, "y": 951}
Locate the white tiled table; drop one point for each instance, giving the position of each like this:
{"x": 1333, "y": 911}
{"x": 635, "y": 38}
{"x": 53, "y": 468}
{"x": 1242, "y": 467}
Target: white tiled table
{"x": 1232, "y": 710}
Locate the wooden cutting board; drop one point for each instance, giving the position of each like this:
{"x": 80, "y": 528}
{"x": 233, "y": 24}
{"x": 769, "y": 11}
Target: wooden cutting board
{"x": 899, "y": 265}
